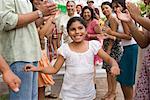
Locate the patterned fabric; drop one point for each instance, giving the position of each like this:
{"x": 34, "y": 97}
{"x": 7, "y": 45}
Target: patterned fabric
{"x": 143, "y": 84}
{"x": 116, "y": 52}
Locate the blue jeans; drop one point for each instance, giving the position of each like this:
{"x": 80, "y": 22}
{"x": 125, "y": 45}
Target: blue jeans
{"x": 29, "y": 82}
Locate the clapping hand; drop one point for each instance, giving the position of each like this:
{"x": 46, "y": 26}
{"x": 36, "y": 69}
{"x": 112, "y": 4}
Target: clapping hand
{"x": 133, "y": 10}
{"x": 129, "y": 12}
{"x": 124, "y": 16}
{"x": 47, "y": 8}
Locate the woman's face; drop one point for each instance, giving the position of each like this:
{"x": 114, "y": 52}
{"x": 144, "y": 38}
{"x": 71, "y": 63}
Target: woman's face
{"x": 106, "y": 9}
{"x": 78, "y": 8}
{"x": 77, "y": 31}
{"x": 87, "y": 15}
{"x": 116, "y": 6}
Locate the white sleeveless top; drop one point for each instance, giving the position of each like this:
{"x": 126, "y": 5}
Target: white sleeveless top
{"x": 123, "y": 41}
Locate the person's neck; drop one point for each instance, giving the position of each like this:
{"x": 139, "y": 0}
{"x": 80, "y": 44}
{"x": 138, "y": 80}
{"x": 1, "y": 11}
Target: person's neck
{"x": 88, "y": 21}
{"x": 71, "y": 14}
{"x": 109, "y": 16}
{"x": 78, "y": 43}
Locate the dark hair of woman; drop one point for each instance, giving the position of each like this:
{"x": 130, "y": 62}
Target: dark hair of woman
{"x": 106, "y": 3}
{"x": 91, "y": 10}
{"x": 121, "y": 2}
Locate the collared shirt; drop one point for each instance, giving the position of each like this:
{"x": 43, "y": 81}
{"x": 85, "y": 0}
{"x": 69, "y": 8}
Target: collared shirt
{"x": 20, "y": 44}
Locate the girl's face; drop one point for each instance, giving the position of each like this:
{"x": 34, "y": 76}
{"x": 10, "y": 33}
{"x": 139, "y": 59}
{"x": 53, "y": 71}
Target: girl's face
{"x": 116, "y": 6}
{"x": 106, "y": 9}
{"x": 77, "y": 32}
{"x": 87, "y": 14}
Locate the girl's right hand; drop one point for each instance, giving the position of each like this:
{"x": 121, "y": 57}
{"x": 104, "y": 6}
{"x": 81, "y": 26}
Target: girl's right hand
{"x": 30, "y": 67}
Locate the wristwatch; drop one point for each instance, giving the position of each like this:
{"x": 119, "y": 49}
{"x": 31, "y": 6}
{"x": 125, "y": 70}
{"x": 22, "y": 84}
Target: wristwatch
{"x": 40, "y": 14}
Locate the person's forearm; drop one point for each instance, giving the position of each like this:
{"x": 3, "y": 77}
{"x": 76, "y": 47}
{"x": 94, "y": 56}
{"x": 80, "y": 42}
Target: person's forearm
{"x": 121, "y": 35}
{"x": 48, "y": 70}
{"x": 143, "y": 21}
{"x": 25, "y": 19}
{"x": 138, "y": 35}
{"x": 3, "y": 65}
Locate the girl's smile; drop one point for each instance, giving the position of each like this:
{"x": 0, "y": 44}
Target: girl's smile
{"x": 77, "y": 31}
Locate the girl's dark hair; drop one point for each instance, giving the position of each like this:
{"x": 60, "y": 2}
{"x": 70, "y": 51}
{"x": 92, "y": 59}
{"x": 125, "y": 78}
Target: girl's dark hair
{"x": 106, "y": 3}
{"x": 121, "y": 2}
{"x": 91, "y": 10}
{"x": 74, "y": 19}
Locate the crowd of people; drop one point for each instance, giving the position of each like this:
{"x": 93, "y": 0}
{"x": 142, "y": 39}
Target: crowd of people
{"x": 35, "y": 32}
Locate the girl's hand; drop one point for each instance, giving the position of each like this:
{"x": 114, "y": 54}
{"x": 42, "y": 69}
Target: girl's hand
{"x": 115, "y": 70}
{"x": 30, "y": 67}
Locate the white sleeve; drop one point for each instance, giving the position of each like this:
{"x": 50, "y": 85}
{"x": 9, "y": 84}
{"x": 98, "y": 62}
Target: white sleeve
{"x": 59, "y": 24}
{"x": 62, "y": 50}
{"x": 96, "y": 46}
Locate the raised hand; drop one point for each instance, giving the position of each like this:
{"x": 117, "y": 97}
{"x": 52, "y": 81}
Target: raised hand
{"x": 133, "y": 10}
{"x": 47, "y": 8}
{"x": 11, "y": 80}
{"x": 123, "y": 16}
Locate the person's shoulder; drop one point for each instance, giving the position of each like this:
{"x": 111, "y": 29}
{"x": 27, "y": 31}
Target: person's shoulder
{"x": 94, "y": 21}
{"x": 113, "y": 20}
{"x": 93, "y": 41}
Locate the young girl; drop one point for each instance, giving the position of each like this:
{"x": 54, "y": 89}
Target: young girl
{"x": 78, "y": 56}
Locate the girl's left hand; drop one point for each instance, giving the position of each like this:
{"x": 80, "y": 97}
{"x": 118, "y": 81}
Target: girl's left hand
{"x": 115, "y": 70}
{"x": 30, "y": 67}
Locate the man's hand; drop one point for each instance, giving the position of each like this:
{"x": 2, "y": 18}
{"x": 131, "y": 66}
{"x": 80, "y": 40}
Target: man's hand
{"x": 47, "y": 8}
{"x": 11, "y": 80}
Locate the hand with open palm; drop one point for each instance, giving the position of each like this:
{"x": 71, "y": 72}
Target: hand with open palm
{"x": 133, "y": 10}
{"x": 123, "y": 16}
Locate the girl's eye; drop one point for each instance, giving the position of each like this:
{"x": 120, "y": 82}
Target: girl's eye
{"x": 81, "y": 27}
{"x": 72, "y": 29}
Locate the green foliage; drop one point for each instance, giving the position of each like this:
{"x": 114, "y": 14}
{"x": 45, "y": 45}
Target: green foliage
{"x": 144, "y": 8}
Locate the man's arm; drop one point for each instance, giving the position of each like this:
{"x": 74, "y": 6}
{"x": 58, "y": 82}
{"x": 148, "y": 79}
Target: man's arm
{"x": 8, "y": 76}
{"x": 44, "y": 9}
{"x": 10, "y": 20}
